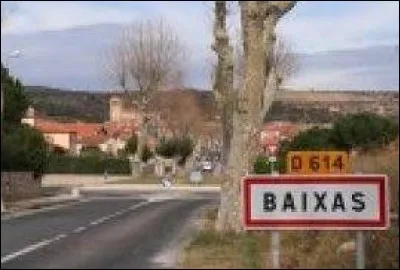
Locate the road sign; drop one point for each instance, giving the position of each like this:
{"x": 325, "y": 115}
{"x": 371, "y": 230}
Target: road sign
{"x": 272, "y": 159}
{"x": 272, "y": 148}
{"x": 315, "y": 202}
{"x": 318, "y": 162}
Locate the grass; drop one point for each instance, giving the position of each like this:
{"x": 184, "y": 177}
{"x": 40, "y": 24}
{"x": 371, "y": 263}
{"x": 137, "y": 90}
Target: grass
{"x": 217, "y": 250}
{"x": 303, "y": 249}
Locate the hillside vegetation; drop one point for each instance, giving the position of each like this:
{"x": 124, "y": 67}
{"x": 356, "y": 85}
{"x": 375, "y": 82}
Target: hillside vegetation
{"x": 67, "y": 105}
{"x": 64, "y": 105}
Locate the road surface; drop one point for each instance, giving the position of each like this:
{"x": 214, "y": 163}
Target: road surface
{"x": 108, "y": 232}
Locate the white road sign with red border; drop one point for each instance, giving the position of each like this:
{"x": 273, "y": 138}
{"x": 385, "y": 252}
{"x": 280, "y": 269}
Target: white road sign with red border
{"x": 315, "y": 202}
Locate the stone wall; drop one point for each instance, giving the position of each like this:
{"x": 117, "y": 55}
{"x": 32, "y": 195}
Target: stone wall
{"x": 70, "y": 180}
{"x": 19, "y": 185}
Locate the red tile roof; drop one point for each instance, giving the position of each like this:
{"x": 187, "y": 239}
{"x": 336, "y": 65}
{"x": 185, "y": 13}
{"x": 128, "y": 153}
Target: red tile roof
{"x": 48, "y": 126}
{"x": 94, "y": 140}
{"x": 85, "y": 129}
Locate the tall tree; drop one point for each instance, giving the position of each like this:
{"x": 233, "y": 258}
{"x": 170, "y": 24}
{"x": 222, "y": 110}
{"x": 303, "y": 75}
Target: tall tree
{"x": 223, "y": 85}
{"x": 15, "y": 98}
{"x": 258, "y": 19}
{"x": 148, "y": 57}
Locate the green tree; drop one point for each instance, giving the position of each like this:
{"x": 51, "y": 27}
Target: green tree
{"x": 15, "y": 100}
{"x": 262, "y": 165}
{"x": 364, "y": 131}
{"x": 184, "y": 149}
{"x": 131, "y": 145}
{"x": 147, "y": 154}
{"x": 167, "y": 148}
{"x": 176, "y": 147}
{"x": 316, "y": 139}
{"x": 24, "y": 149}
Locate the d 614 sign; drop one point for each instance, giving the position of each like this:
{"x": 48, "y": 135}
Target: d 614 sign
{"x": 318, "y": 162}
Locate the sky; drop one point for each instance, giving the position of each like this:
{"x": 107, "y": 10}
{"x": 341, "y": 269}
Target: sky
{"x": 341, "y": 44}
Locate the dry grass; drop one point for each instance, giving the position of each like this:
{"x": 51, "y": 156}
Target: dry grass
{"x": 313, "y": 249}
{"x": 384, "y": 161}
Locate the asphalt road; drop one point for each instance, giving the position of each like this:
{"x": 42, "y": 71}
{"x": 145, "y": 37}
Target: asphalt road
{"x": 104, "y": 233}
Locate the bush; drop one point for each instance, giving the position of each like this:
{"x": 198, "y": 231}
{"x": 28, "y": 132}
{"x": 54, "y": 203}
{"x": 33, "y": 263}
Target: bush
{"x": 184, "y": 149}
{"x": 88, "y": 164}
{"x": 131, "y": 145}
{"x": 167, "y": 148}
{"x": 364, "y": 130}
{"x": 24, "y": 149}
{"x": 314, "y": 139}
{"x": 176, "y": 147}
{"x": 147, "y": 154}
{"x": 262, "y": 165}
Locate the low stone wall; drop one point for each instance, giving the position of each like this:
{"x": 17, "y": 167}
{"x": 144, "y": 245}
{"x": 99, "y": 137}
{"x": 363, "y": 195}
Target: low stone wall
{"x": 68, "y": 180}
{"x": 19, "y": 185}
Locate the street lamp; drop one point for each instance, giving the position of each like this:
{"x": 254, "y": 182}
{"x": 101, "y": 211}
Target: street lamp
{"x": 14, "y": 54}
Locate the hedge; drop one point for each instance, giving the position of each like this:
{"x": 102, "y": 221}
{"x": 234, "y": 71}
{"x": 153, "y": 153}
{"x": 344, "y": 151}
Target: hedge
{"x": 87, "y": 165}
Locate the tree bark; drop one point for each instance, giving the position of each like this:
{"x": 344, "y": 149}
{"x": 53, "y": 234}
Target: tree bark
{"x": 247, "y": 117}
{"x": 223, "y": 86}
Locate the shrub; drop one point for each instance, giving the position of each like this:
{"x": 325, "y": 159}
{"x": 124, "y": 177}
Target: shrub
{"x": 147, "y": 154}
{"x": 24, "y": 149}
{"x": 167, "y": 148}
{"x": 176, "y": 147}
{"x": 364, "y": 130}
{"x": 88, "y": 164}
{"x": 131, "y": 145}
{"x": 262, "y": 165}
{"x": 184, "y": 149}
{"x": 313, "y": 139}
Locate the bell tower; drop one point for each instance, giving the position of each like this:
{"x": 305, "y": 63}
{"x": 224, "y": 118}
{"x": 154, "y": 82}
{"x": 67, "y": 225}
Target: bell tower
{"x": 115, "y": 109}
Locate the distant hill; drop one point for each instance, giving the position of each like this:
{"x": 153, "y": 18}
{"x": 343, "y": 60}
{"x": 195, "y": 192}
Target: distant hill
{"x": 296, "y": 106}
{"x": 67, "y": 105}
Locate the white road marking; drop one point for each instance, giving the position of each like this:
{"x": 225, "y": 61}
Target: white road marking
{"x": 47, "y": 242}
{"x": 135, "y": 206}
{"x": 80, "y": 229}
{"x": 41, "y": 210}
{"x": 31, "y": 248}
{"x": 120, "y": 212}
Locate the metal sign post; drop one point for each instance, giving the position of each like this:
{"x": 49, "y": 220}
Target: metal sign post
{"x": 275, "y": 246}
{"x": 360, "y": 256}
{"x": 275, "y": 235}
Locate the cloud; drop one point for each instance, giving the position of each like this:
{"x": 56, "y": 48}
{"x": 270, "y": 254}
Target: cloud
{"x": 33, "y": 16}
{"x": 73, "y": 51}
{"x": 355, "y": 25}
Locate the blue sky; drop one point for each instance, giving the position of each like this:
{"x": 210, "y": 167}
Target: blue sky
{"x": 311, "y": 28}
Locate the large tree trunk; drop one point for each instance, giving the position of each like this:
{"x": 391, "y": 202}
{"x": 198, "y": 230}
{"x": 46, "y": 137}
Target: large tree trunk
{"x": 143, "y": 132}
{"x": 271, "y": 86}
{"x": 247, "y": 114}
{"x": 223, "y": 87}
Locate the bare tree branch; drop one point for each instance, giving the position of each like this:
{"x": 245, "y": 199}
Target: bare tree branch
{"x": 284, "y": 60}
{"x": 148, "y": 57}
